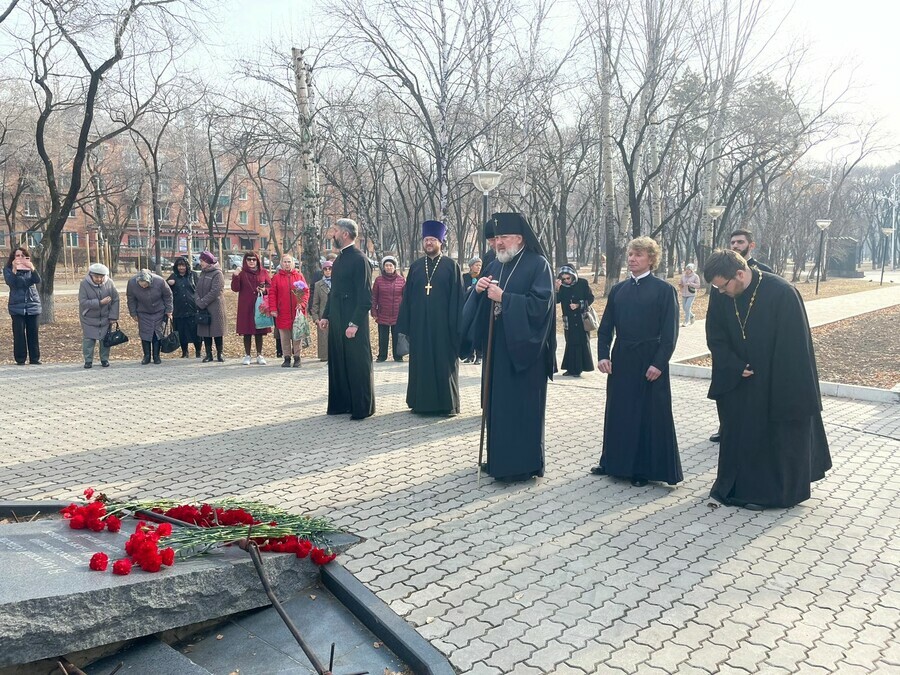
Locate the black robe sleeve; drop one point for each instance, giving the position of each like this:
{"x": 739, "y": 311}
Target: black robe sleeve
{"x": 527, "y": 316}
{"x": 795, "y": 382}
{"x": 607, "y": 325}
{"x": 727, "y": 365}
{"x": 668, "y": 326}
{"x": 362, "y": 281}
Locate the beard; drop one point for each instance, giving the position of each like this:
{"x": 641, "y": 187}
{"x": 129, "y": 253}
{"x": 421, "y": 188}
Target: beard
{"x": 745, "y": 254}
{"x": 510, "y": 253}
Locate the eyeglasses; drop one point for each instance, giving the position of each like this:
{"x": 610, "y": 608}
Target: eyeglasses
{"x": 723, "y": 286}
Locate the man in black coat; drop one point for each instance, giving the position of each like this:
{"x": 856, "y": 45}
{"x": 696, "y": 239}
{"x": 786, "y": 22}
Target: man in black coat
{"x": 766, "y": 387}
{"x": 351, "y": 381}
{"x": 638, "y": 430}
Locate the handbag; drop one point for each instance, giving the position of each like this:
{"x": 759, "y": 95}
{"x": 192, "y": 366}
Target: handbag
{"x": 114, "y": 337}
{"x": 169, "y": 342}
{"x": 204, "y": 318}
{"x": 691, "y": 290}
{"x": 261, "y": 316}
{"x": 590, "y": 320}
{"x": 402, "y": 347}
{"x": 300, "y": 330}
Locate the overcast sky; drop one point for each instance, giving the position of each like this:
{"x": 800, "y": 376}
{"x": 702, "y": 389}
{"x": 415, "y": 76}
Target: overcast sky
{"x": 862, "y": 34}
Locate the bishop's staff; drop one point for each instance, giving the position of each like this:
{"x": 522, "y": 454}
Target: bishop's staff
{"x": 486, "y": 383}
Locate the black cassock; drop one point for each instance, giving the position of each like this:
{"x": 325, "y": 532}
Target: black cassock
{"x": 430, "y": 318}
{"x": 577, "y": 357}
{"x": 351, "y": 383}
{"x": 638, "y": 429}
{"x": 522, "y": 359}
{"x": 773, "y": 442}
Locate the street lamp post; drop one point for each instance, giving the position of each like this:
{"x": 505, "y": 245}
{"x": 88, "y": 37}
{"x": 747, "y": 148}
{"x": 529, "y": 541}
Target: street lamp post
{"x": 715, "y": 212}
{"x": 887, "y": 232}
{"x": 485, "y": 181}
{"x": 823, "y": 225}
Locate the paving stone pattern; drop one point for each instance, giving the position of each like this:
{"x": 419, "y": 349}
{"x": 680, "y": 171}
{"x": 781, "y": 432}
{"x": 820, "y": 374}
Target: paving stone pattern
{"x": 566, "y": 574}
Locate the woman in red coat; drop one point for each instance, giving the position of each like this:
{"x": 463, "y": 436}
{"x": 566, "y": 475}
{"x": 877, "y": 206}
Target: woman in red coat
{"x": 287, "y": 292}
{"x": 387, "y": 292}
{"x": 247, "y": 282}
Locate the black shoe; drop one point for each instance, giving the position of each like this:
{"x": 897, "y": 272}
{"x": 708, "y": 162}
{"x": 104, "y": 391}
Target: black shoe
{"x": 380, "y": 360}
{"x": 104, "y": 364}
{"x": 156, "y": 359}
{"x": 278, "y": 354}
{"x": 484, "y": 467}
{"x": 145, "y": 360}
{"x": 598, "y": 471}
{"x": 716, "y": 437}
{"x": 35, "y": 363}
{"x": 750, "y": 506}
{"x": 20, "y": 363}
{"x": 287, "y": 362}
{"x": 399, "y": 359}
{"x": 88, "y": 364}
{"x": 207, "y": 358}
{"x": 639, "y": 481}
{"x": 184, "y": 353}
{"x": 220, "y": 358}
{"x": 296, "y": 362}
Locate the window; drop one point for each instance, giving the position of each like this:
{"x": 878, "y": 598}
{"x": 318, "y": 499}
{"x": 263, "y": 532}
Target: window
{"x": 219, "y": 217}
{"x": 135, "y": 215}
{"x": 246, "y": 244}
{"x": 167, "y": 243}
{"x": 263, "y": 218}
{"x": 72, "y": 212}
{"x": 199, "y": 243}
{"x": 71, "y": 239}
{"x": 242, "y": 193}
{"x": 242, "y": 217}
{"x": 32, "y": 208}
{"x": 264, "y": 243}
{"x": 34, "y": 239}
{"x": 2, "y": 239}
{"x": 226, "y": 243}
{"x": 165, "y": 186}
{"x": 135, "y": 241}
{"x": 162, "y": 212}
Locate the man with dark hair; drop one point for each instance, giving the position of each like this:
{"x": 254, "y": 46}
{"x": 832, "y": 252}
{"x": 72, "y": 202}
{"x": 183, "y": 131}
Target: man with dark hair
{"x": 516, "y": 294}
{"x": 430, "y": 313}
{"x": 766, "y": 387}
{"x": 742, "y": 242}
{"x": 639, "y": 440}
{"x": 351, "y": 381}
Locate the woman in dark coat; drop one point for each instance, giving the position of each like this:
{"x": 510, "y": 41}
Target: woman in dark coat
{"x": 149, "y": 303}
{"x": 24, "y": 305}
{"x": 575, "y": 296}
{"x": 184, "y": 308}
{"x": 248, "y": 282}
{"x": 210, "y": 288}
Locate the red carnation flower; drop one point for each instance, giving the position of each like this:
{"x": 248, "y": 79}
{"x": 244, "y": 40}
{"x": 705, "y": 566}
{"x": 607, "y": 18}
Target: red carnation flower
{"x": 150, "y": 561}
{"x": 122, "y": 566}
{"x": 95, "y": 525}
{"x": 164, "y": 529}
{"x": 69, "y": 511}
{"x": 77, "y": 522}
{"x": 304, "y": 547}
{"x": 320, "y": 557}
{"x": 89, "y": 493}
{"x": 113, "y": 524}
{"x": 99, "y": 562}
{"x": 168, "y": 556}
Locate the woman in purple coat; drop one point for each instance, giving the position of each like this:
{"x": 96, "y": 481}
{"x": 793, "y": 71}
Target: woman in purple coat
{"x": 247, "y": 283}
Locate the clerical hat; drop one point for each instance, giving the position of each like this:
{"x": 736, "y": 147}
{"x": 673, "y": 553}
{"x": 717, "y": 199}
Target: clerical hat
{"x": 489, "y": 229}
{"x": 516, "y": 223}
{"x": 434, "y": 228}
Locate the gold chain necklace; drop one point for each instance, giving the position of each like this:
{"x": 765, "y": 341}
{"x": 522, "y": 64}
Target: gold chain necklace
{"x": 428, "y": 277}
{"x": 743, "y": 324}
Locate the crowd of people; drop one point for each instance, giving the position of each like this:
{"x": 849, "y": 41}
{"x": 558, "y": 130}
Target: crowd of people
{"x": 502, "y": 314}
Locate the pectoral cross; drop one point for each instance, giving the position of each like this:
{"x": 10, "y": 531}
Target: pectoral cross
{"x": 428, "y": 288}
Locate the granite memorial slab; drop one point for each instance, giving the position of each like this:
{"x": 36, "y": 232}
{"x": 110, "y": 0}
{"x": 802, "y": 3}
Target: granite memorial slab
{"x": 52, "y": 604}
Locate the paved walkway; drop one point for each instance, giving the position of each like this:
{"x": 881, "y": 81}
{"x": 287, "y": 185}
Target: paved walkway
{"x": 692, "y": 339}
{"x": 567, "y": 574}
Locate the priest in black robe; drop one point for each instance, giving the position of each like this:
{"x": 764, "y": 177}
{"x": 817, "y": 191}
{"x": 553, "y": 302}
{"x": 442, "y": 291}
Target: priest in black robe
{"x": 638, "y": 431}
{"x": 515, "y": 292}
{"x": 766, "y": 387}
{"x": 430, "y": 314}
{"x": 351, "y": 381}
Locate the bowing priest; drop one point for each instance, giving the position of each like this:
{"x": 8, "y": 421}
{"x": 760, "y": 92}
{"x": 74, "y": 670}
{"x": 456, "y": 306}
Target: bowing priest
{"x": 515, "y": 292}
{"x": 351, "y": 382}
{"x": 430, "y": 314}
{"x": 765, "y": 385}
{"x": 639, "y": 431}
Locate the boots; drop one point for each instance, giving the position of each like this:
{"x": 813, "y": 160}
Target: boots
{"x": 145, "y": 345}
{"x": 287, "y": 362}
{"x": 296, "y": 362}
{"x": 156, "y": 359}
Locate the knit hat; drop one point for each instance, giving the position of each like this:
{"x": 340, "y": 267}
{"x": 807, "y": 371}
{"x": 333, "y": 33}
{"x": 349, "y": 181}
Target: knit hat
{"x": 144, "y": 275}
{"x": 208, "y": 257}
{"x": 474, "y": 260}
{"x": 690, "y": 266}
{"x": 388, "y": 259}
{"x": 327, "y": 265}
{"x": 99, "y": 268}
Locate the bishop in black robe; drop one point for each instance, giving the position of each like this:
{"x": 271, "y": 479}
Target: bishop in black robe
{"x": 773, "y": 442}
{"x": 638, "y": 430}
{"x": 522, "y": 356}
{"x": 430, "y": 314}
{"x": 351, "y": 381}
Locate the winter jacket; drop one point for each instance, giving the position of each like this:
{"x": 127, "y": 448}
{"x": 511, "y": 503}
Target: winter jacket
{"x": 283, "y": 298}
{"x": 149, "y": 305}
{"x": 246, "y": 285}
{"x": 183, "y": 292}
{"x": 387, "y": 292}
{"x": 210, "y": 288}
{"x": 688, "y": 281}
{"x": 320, "y": 298}
{"x": 95, "y": 317}
{"x": 24, "y": 299}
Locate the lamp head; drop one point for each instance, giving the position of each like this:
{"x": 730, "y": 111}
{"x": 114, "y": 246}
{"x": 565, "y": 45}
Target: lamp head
{"x": 485, "y": 181}
{"x": 887, "y": 231}
{"x": 823, "y": 224}
{"x": 715, "y": 211}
